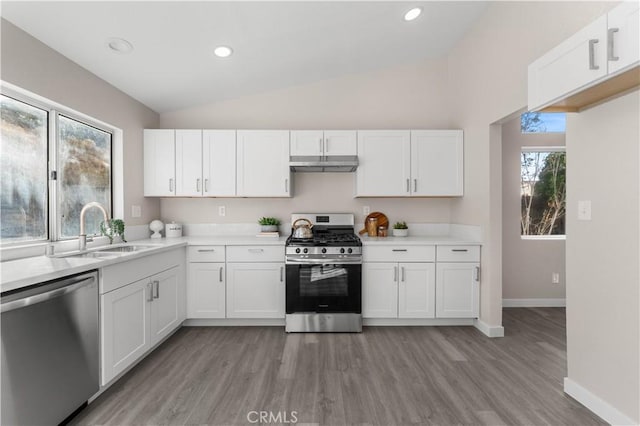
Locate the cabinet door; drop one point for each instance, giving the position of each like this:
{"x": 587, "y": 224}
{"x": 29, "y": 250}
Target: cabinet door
{"x": 340, "y": 142}
{"x": 206, "y": 290}
{"x": 457, "y": 290}
{"x": 623, "y": 36}
{"x": 306, "y": 142}
{"x": 384, "y": 163}
{"x": 437, "y": 163}
{"x": 575, "y": 63}
{"x": 159, "y": 163}
{"x": 164, "y": 308}
{"x": 263, "y": 163}
{"x": 219, "y": 163}
{"x": 255, "y": 290}
{"x": 189, "y": 163}
{"x": 380, "y": 290}
{"x": 417, "y": 290}
{"x": 125, "y": 327}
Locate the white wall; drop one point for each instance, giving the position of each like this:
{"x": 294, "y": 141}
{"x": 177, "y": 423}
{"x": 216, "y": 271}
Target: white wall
{"x": 603, "y": 290}
{"x": 527, "y": 265}
{"x": 31, "y": 65}
{"x": 405, "y": 97}
{"x": 488, "y": 82}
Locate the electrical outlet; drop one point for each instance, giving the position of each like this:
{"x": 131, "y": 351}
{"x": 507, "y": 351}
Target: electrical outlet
{"x": 366, "y": 210}
{"x": 222, "y": 211}
{"x": 136, "y": 211}
{"x": 555, "y": 278}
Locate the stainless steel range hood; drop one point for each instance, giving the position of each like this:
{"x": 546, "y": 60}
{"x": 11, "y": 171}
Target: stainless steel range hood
{"x": 319, "y": 164}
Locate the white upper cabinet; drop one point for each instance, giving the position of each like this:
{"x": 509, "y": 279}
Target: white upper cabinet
{"x": 594, "y": 64}
{"x": 319, "y": 142}
{"x": 159, "y": 162}
{"x": 623, "y": 36}
{"x": 218, "y": 163}
{"x": 188, "y": 163}
{"x": 263, "y": 163}
{"x": 419, "y": 163}
{"x": 437, "y": 166}
{"x": 384, "y": 168}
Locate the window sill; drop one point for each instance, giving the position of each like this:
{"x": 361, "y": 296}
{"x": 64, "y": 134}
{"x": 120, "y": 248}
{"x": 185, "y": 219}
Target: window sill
{"x": 543, "y": 237}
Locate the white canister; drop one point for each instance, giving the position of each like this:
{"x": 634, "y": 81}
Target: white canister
{"x": 173, "y": 230}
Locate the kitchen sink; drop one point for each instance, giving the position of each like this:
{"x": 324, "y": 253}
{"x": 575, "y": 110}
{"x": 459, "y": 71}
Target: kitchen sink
{"x": 108, "y": 252}
{"x": 124, "y": 249}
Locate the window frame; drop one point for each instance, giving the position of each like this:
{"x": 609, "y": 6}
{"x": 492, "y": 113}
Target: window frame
{"x": 549, "y": 149}
{"x": 54, "y": 109}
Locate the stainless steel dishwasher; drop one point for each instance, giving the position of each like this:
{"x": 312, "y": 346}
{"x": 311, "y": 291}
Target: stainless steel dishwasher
{"x": 50, "y": 350}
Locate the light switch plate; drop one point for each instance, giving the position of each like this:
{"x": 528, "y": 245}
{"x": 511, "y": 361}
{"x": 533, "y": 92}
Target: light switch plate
{"x": 222, "y": 211}
{"x": 584, "y": 210}
{"x": 366, "y": 210}
{"x": 136, "y": 211}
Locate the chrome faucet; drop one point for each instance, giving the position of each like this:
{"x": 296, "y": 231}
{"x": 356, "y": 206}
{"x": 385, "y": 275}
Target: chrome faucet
{"x": 82, "y": 238}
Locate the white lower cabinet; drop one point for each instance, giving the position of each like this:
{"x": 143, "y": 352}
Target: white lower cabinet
{"x": 206, "y": 290}
{"x": 398, "y": 290}
{"x": 137, "y": 316}
{"x": 457, "y": 290}
{"x": 255, "y": 290}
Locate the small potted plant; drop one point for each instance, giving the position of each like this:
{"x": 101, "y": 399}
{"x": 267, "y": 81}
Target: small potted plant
{"x": 112, "y": 229}
{"x": 400, "y": 229}
{"x": 268, "y": 224}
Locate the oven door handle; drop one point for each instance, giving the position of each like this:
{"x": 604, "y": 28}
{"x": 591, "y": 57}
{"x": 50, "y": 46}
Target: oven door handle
{"x": 323, "y": 262}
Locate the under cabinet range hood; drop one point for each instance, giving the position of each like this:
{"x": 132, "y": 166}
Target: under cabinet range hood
{"x": 319, "y": 164}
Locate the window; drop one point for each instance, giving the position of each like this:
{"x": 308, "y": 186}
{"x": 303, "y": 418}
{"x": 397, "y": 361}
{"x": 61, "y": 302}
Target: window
{"x": 78, "y": 151}
{"x": 543, "y": 122}
{"x": 543, "y": 191}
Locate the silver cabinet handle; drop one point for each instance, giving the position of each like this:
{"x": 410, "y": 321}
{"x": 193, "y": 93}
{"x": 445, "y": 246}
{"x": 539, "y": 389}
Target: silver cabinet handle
{"x": 326, "y": 145}
{"x": 221, "y": 269}
{"x": 610, "y": 54}
{"x": 197, "y": 185}
{"x": 477, "y": 274}
{"x": 407, "y": 184}
{"x": 398, "y": 249}
{"x": 171, "y": 185}
{"x": 206, "y": 250}
{"x": 156, "y": 289}
{"x": 256, "y": 250}
{"x": 206, "y": 185}
{"x": 150, "y": 290}
{"x": 415, "y": 185}
{"x": 286, "y": 186}
{"x": 395, "y": 274}
{"x": 402, "y": 270}
{"x": 460, "y": 250}
{"x": 592, "y": 59}
{"x": 320, "y": 145}
{"x": 281, "y": 273}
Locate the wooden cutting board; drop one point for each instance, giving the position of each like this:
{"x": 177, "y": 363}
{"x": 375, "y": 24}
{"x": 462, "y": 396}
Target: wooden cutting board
{"x": 382, "y": 221}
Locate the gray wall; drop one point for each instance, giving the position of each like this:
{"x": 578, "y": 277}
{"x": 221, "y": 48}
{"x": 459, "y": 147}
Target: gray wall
{"x": 31, "y": 65}
{"x": 527, "y": 265}
{"x": 603, "y": 290}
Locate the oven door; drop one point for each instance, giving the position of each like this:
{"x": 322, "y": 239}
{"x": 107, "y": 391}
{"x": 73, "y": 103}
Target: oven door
{"x": 330, "y": 287}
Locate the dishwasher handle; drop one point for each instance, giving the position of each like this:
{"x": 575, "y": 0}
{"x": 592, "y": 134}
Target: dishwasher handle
{"x": 73, "y": 284}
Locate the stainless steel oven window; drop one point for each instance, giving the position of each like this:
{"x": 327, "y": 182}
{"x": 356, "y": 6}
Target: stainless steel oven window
{"x": 324, "y": 281}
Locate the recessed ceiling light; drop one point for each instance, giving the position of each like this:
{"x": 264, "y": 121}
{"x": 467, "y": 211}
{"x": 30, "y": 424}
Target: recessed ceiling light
{"x": 119, "y": 45}
{"x": 412, "y": 14}
{"x": 223, "y": 51}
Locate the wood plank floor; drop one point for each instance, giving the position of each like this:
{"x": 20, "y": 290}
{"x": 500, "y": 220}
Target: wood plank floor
{"x": 384, "y": 376}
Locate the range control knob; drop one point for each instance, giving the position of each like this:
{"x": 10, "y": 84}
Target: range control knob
{"x": 350, "y": 250}
{"x": 306, "y": 250}
{"x": 324, "y": 250}
{"x": 297, "y": 250}
{"x": 341, "y": 250}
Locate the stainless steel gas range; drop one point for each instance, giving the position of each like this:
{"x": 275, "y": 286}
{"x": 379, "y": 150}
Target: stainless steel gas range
{"x": 324, "y": 275}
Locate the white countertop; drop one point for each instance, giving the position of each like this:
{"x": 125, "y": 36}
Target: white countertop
{"x": 20, "y": 273}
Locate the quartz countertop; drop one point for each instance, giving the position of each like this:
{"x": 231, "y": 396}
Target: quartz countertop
{"x": 416, "y": 241}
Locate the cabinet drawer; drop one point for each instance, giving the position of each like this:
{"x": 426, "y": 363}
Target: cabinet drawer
{"x": 399, "y": 254}
{"x": 255, "y": 254}
{"x": 458, "y": 253}
{"x": 205, "y": 254}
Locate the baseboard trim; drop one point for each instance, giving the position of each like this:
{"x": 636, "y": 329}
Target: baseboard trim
{"x": 534, "y": 303}
{"x": 233, "y": 322}
{"x": 606, "y": 411}
{"x": 489, "y": 330}
{"x": 392, "y": 322}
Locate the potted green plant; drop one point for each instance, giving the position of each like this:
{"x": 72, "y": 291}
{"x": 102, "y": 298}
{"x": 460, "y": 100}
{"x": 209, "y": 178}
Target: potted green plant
{"x": 112, "y": 229}
{"x": 400, "y": 229}
{"x": 268, "y": 224}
